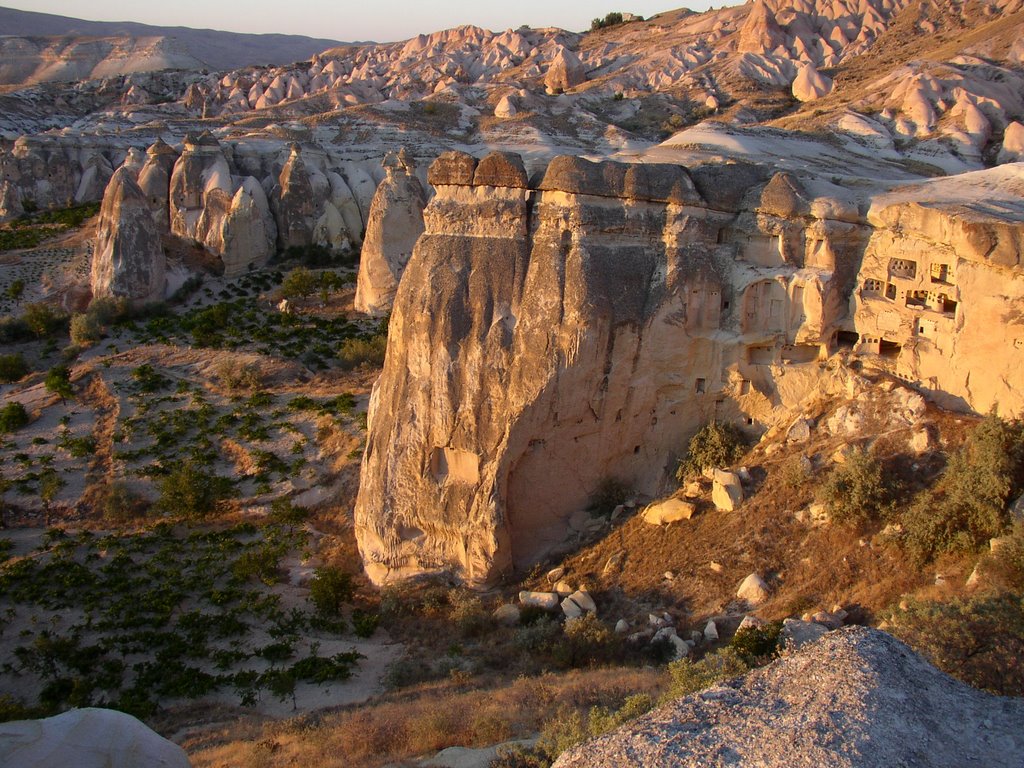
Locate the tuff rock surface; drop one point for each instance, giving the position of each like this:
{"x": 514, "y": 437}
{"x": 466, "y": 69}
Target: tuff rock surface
{"x": 129, "y": 258}
{"x": 394, "y": 225}
{"x": 855, "y": 698}
{"x": 87, "y": 738}
{"x": 544, "y": 339}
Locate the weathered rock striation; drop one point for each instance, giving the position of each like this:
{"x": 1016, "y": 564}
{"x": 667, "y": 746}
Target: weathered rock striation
{"x": 545, "y": 339}
{"x": 129, "y": 258}
{"x": 857, "y": 698}
{"x": 394, "y": 225}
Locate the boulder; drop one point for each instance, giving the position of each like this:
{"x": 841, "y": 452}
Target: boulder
{"x": 87, "y": 738}
{"x": 577, "y": 604}
{"x": 564, "y": 72}
{"x": 507, "y": 615}
{"x": 452, "y": 168}
{"x": 501, "y": 169}
{"x": 128, "y": 260}
{"x": 394, "y": 225}
{"x": 797, "y": 633}
{"x": 726, "y": 491}
{"x": 711, "y": 632}
{"x": 621, "y": 627}
{"x": 753, "y": 589}
{"x": 669, "y": 511}
{"x": 546, "y": 600}
{"x": 810, "y": 84}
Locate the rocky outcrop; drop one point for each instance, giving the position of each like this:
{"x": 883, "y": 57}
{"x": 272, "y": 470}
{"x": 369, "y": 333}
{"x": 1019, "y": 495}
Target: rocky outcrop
{"x": 939, "y": 293}
{"x": 200, "y": 176}
{"x": 564, "y": 72}
{"x": 544, "y": 340}
{"x": 810, "y": 84}
{"x": 395, "y": 224}
{"x": 857, "y": 698}
{"x": 87, "y": 738}
{"x": 128, "y": 260}
{"x": 155, "y": 181}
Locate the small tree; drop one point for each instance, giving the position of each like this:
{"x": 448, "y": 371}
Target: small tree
{"x": 13, "y": 416}
{"x": 58, "y": 381}
{"x": 16, "y": 290}
{"x": 858, "y": 492}
{"x": 192, "y": 493}
{"x": 299, "y": 283}
{"x": 42, "y": 319}
{"x": 715, "y": 445}
{"x": 329, "y": 589}
{"x": 12, "y": 367}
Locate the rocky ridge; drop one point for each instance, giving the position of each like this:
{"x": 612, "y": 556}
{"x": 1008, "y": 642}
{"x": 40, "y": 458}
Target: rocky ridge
{"x": 547, "y": 336}
{"x": 857, "y": 697}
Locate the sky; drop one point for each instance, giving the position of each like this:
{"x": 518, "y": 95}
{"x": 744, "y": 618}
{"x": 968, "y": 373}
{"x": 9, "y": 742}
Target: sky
{"x": 381, "y": 20}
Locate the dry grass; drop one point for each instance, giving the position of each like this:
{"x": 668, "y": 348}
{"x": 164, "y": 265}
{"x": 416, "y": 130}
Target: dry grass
{"x": 419, "y": 721}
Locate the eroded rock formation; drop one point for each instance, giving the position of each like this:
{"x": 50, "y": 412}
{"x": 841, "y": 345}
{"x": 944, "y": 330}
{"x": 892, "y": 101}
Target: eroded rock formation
{"x": 129, "y": 259}
{"x": 543, "y": 340}
{"x": 395, "y": 224}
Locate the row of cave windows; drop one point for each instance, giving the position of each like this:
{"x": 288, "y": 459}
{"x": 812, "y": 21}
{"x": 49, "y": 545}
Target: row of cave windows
{"x": 907, "y": 269}
{"x": 918, "y": 299}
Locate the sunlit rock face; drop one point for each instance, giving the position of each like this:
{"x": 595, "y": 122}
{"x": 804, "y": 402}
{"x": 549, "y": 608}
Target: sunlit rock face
{"x": 545, "y": 339}
{"x": 128, "y": 260}
{"x": 395, "y": 224}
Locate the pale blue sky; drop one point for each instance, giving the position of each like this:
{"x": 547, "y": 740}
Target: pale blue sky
{"x": 347, "y": 20}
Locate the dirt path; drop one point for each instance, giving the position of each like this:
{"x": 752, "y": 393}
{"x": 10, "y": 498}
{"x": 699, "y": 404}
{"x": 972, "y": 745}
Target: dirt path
{"x": 100, "y": 472}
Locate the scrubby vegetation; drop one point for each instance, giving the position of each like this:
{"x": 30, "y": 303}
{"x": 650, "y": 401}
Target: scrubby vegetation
{"x": 31, "y": 229}
{"x": 716, "y": 445}
{"x": 858, "y": 492}
{"x": 968, "y": 505}
{"x": 133, "y": 621}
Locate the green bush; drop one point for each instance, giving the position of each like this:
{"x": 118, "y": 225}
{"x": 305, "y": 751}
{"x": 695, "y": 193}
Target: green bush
{"x": 299, "y": 283}
{"x": 85, "y": 329}
{"x": 857, "y": 492}
{"x": 610, "y": 20}
{"x": 13, "y": 417}
{"x": 191, "y": 492}
{"x": 569, "y": 727}
{"x": 968, "y": 505}
{"x": 58, "y": 381}
{"x": 120, "y": 504}
{"x": 330, "y": 589}
{"x": 355, "y": 352}
{"x": 978, "y": 640}
{"x": 714, "y": 446}
{"x": 588, "y": 640}
{"x": 12, "y": 367}
{"x": 757, "y": 645}
{"x": 43, "y": 320}
{"x": 364, "y": 624}
{"x": 686, "y": 677}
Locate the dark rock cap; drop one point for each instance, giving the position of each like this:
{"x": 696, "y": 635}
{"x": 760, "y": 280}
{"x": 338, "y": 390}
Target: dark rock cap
{"x": 655, "y": 182}
{"x": 501, "y": 169}
{"x": 725, "y": 185}
{"x": 452, "y": 167}
{"x": 784, "y": 196}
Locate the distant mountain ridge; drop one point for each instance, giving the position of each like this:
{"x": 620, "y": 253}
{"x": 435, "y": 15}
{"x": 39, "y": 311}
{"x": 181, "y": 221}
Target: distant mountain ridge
{"x": 214, "y": 49}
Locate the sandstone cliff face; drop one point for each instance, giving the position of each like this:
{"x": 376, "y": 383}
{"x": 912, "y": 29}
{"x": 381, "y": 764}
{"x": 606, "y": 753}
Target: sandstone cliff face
{"x": 394, "y": 225}
{"x": 940, "y": 292}
{"x": 543, "y": 340}
{"x": 128, "y": 260}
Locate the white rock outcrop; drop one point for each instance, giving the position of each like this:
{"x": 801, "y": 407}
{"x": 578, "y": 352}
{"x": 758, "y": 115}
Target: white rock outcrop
{"x": 895, "y": 709}
{"x": 87, "y": 738}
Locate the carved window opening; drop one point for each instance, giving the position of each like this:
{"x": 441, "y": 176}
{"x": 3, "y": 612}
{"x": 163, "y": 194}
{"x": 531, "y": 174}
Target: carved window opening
{"x": 940, "y": 273}
{"x": 847, "y": 339}
{"x": 701, "y": 386}
{"x": 917, "y": 299}
{"x": 889, "y": 349}
{"x": 744, "y": 387}
{"x": 890, "y": 292}
{"x": 946, "y": 305}
{"x": 904, "y": 268}
{"x": 873, "y": 286}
